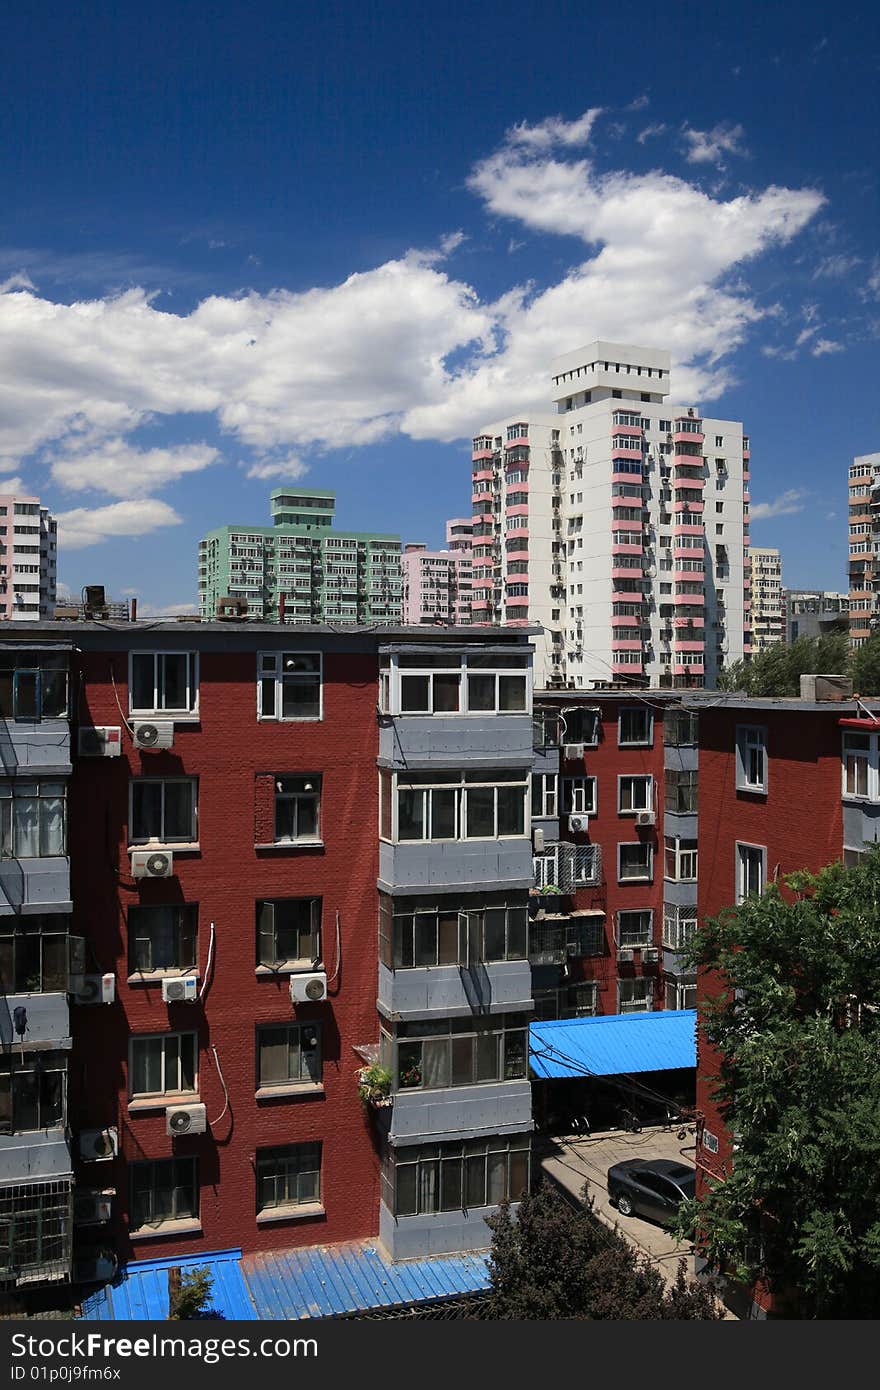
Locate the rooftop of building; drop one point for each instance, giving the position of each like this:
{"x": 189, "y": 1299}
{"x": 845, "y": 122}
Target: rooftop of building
{"x": 703, "y": 700}
{"x": 443, "y": 633}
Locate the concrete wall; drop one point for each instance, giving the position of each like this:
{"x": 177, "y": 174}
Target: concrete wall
{"x": 438, "y": 1233}
{"x": 34, "y": 884}
{"x": 48, "y": 1019}
{"x": 441, "y": 741}
{"x": 454, "y": 991}
{"x": 461, "y": 1112}
{"x": 32, "y": 748}
{"x": 44, "y": 1154}
{"x": 417, "y": 866}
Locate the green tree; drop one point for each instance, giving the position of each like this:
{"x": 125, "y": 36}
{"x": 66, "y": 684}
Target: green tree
{"x": 553, "y": 1261}
{"x": 796, "y": 1026}
{"x": 865, "y": 667}
{"x": 190, "y": 1297}
{"x": 777, "y": 670}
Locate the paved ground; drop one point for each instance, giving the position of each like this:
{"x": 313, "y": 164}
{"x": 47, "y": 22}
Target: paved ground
{"x": 573, "y": 1161}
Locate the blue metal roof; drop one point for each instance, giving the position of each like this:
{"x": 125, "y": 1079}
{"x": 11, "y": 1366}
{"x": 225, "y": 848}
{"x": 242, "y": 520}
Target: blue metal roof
{"x": 140, "y": 1291}
{"x": 325, "y": 1281}
{"x": 322, "y": 1281}
{"x": 614, "y": 1044}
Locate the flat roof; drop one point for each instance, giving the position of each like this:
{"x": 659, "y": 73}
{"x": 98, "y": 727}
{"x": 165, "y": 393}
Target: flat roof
{"x": 700, "y": 699}
{"x": 428, "y": 632}
{"x": 614, "y": 1044}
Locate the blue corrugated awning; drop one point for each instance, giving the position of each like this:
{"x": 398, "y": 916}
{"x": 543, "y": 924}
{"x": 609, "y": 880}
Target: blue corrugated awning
{"x": 140, "y": 1291}
{"x": 614, "y": 1044}
{"x": 320, "y": 1281}
{"x": 327, "y": 1281}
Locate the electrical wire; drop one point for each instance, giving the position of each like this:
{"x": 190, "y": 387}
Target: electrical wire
{"x": 208, "y": 965}
{"x": 331, "y": 979}
{"x": 118, "y": 701}
{"x": 223, "y": 1084}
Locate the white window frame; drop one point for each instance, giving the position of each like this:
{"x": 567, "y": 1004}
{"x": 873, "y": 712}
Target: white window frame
{"x": 421, "y": 782}
{"x": 679, "y": 925}
{"x": 161, "y": 840}
{"x": 647, "y": 877}
{"x": 158, "y": 711}
{"x": 648, "y": 740}
{"x": 680, "y": 857}
{"x": 645, "y": 937}
{"x": 580, "y": 796}
{"x": 751, "y": 738}
{"x": 741, "y": 845}
{"x": 295, "y": 797}
{"x": 457, "y": 666}
{"x": 547, "y": 783}
{"x": 264, "y": 673}
{"x": 166, "y": 1090}
{"x": 868, "y": 756}
{"x": 635, "y": 1006}
{"x": 647, "y": 782}
{"x": 677, "y": 992}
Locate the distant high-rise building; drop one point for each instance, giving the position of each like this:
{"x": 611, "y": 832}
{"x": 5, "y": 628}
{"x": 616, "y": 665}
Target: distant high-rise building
{"x": 619, "y": 523}
{"x": 299, "y": 569}
{"x": 28, "y": 558}
{"x": 768, "y": 622}
{"x": 864, "y": 569}
{"x": 814, "y": 612}
{"x": 437, "y": 583}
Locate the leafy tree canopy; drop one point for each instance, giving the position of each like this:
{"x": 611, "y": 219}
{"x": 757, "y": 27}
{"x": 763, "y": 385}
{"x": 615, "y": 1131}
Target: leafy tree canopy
{"x": 190, "y": 1299}
{"x": 777, "y": 670}
{"x": 553, "y": 1261}
{"x": 797, "y": 1033}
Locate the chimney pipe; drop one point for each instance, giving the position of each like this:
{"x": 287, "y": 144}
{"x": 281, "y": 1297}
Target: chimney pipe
{"x": 134, "y": 610}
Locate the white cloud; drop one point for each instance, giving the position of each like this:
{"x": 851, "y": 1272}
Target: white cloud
{"x": 166, "y": 610}
{"x": 116, "y": 467}
{"x": 710, "y": 146}
{"x": 786, "y": 504}
{"x": 650, "y": 131}
{"x": 639, "y": 103}
{"x": 20, "y": 281}
{"x": 288, "y": 469}
{"x": 835, "y": 267}
{"x": 89, "y": 526}
{"x": 554, "y": 131}
{"x": 14, "y": 485}
{"x": 823, "y": 346}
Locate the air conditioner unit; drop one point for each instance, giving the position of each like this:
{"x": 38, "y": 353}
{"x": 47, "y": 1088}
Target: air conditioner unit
{"x": 578, "y": 825}
{"x": 624, "y": 953}
{"x": 103, "y": 742}
{"x": 92, "y": 1208}
{"x": 96, "y": 1145}
{"x": 94, "y": 1267}
{"x": 152, "y": 863}
{"x": 572, "y": 751}
{"x": 92, "y": 989}
{"x": 308, "y": 989}
{"x": 154, "y": 735}
{"x": 180, "y": 991}
{"x": 186, "y": 1119}
{"x": 650, "y": 953}
{"x": 646, "y": 818}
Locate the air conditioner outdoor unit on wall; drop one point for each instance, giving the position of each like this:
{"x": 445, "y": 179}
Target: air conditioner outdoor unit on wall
{"x": 579, "y": 825}
{"x": 180, "y": 991}
{"x": 94, "y": 1267}
{"x": 646, "y": 818}
{"x": 104, "y": 742}
{"x": 152, "y": 863}
{"x": 572, "y": 751}
{"x": 308, "y": 989}
{"x": 159, "y": 735}
{"x": 650, "y": 953}
{"x": 186, "y": 1119}
{"x": 92, "y": 1208}
{"x": 93, "y": 989}
{"x": 625, "y": 953}
{"x": 96, "y": 1145}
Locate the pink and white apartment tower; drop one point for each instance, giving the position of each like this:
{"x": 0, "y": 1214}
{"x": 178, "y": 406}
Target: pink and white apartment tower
{"x": 619, "y": 523}
{"x": 28, "y": 559}
{"x": 437, "y": 583}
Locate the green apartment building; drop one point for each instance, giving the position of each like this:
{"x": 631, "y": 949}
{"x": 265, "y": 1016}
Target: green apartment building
{"x": 300, "y": 567}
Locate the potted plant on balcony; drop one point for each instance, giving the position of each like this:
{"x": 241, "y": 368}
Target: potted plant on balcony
{"x": 546, "y": 897}
{"x": 374, "y": 1085}
{"x": 410, "y": 1076}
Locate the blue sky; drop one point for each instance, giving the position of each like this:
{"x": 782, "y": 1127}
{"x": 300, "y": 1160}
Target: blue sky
{"x": 245, "y": 244}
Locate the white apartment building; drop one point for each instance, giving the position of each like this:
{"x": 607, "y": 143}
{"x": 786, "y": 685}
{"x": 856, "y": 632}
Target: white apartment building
{"x": 28, "y": 559}
{"x": 619, "y": 523}
{"x": 768, "y": 615}
{"x": 437, "y": 583}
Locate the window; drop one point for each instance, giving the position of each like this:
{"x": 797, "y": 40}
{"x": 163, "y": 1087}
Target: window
{"x": 680, "y": 994}
{"x": 751, "y": 758}
{"x": 164, "y": 809}
{"x": 289, "y": 1055}
{"x": 31, "y": 693}
{"x": 679, "y": 925}
{"x": 425, "y": 1178}
{"x": 37, "y": 956}
{"x": 751, "y": 871}
{"x": 431, "y": 1056}
{"x": 635, "y": 996}
{"x": 474, "y": 683}
{"x": 289, "y": 685}
{"x": 581, "y": 726}
{"x": 297, "y": 809}
{"x": 681, "y": 791}
{"x": 635, "y": 862}
{"x": 579, "y": 796}
{"x": 635, "y": 726}
{"x": 163, "y": 1064}
{"x": 634, "y": 794}
{"x": 420, "y": 931}
{"x": 32, "y": 1094}
{"x": 572, "y": 1001}
{"x": 163, "y": 683}
{"x": 543, "y": 794}
{"x": 163, "y": 1190}
{"x": 454, "y": 805}
{"x": 33, "y": 819}
{"x": 860, "y": 776}
{"x": 635, "y": 928}
{"x": 162, "y": 938}
{"x": 681, "y": 859}
{"x": 289, "y": 1176}
{"x": 288, "y": 932}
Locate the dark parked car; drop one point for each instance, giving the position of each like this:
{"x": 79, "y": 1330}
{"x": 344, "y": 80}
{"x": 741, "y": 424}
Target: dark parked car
{"x": 652, "y": 1187}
